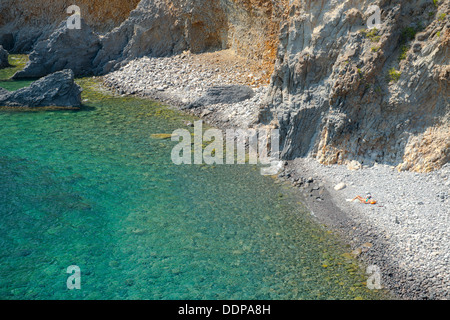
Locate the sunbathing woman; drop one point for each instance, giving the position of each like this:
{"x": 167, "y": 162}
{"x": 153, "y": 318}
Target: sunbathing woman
{"x": 368, "y": 200}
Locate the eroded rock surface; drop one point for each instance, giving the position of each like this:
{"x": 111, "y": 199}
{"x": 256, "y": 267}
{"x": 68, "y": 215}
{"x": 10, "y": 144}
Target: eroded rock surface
{"x": 24, "y": 23}
{"x": 162, "y": 27}
{"x": 57, "y": 89}
{"x": 65, "y": 49}
{"x": 342, "y": 92}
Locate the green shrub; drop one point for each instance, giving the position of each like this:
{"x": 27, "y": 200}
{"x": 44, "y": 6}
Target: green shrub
{"x": 403, "y": 52}
{"x": 371, "y": 34}
{"x": 442, "y": 16}
{"x": 408, "y": 34}
{"x": 394, "y": 75}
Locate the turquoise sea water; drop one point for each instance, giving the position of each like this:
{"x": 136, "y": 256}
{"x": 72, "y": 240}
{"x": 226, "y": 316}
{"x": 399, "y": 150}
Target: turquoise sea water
{"x": 92, "y": 188}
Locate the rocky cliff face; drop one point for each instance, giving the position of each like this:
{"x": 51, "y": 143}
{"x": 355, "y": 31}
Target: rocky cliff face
{"x": 342, "y": 92}
{"x": 163, "y": 27}
{"x": 65, "y": 49}
{"x": 25, "y": 22}
{"x": 339, "y": 91}
{"x": 154, "y": 27}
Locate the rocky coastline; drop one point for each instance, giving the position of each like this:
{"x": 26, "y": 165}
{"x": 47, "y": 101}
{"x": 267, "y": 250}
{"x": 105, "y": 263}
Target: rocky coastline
{"x": 360, "y": 111}
{"x": 404, "y": 234}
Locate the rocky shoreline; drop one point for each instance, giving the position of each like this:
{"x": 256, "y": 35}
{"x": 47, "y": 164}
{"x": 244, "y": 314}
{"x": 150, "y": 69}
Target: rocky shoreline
{"x": 405, "y": 234}
{"x": 181, "y": 80}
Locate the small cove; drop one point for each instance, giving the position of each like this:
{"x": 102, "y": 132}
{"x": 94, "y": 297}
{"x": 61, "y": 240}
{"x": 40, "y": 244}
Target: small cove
{"x": 92, "y": 188}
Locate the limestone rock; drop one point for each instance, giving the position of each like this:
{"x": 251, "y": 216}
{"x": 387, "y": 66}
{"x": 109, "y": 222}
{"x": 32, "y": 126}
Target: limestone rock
{"x": 354, "y": 165}
{"x": 57, "y": 89}
{"x": 73, "y": 49}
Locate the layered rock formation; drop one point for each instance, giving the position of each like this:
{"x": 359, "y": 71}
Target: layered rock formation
{"x": 57, "y": 89}
{"x": 341, "y": 91}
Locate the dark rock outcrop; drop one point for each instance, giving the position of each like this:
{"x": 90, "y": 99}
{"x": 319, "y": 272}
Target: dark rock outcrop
{"x": 65, "y": 49}
{"x": 7, "y": 41}
{"x": 3, "y": 58}
{"x": 224, "y": 94}
{"x": 57, "y": 89}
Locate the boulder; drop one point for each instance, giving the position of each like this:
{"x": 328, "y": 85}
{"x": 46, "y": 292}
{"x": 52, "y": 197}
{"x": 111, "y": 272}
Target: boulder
{"x": 3, "y": 58}
{"x": 58, "y": 89}
{"x": 340, "y": 186}
{"x": 73, "y": 49}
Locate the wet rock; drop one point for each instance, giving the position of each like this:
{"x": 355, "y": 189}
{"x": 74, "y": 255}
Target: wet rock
{"x": 58, "y": 89}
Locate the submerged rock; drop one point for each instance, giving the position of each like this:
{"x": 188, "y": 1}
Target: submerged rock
{"x": 73, "y": 49}
{"x": 3, "y": 58}
{"x": 58, "y": 89}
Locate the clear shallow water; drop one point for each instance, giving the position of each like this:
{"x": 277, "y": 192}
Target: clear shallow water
{"x": 17, "y": 62}
{"x": 92, "y": 188}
